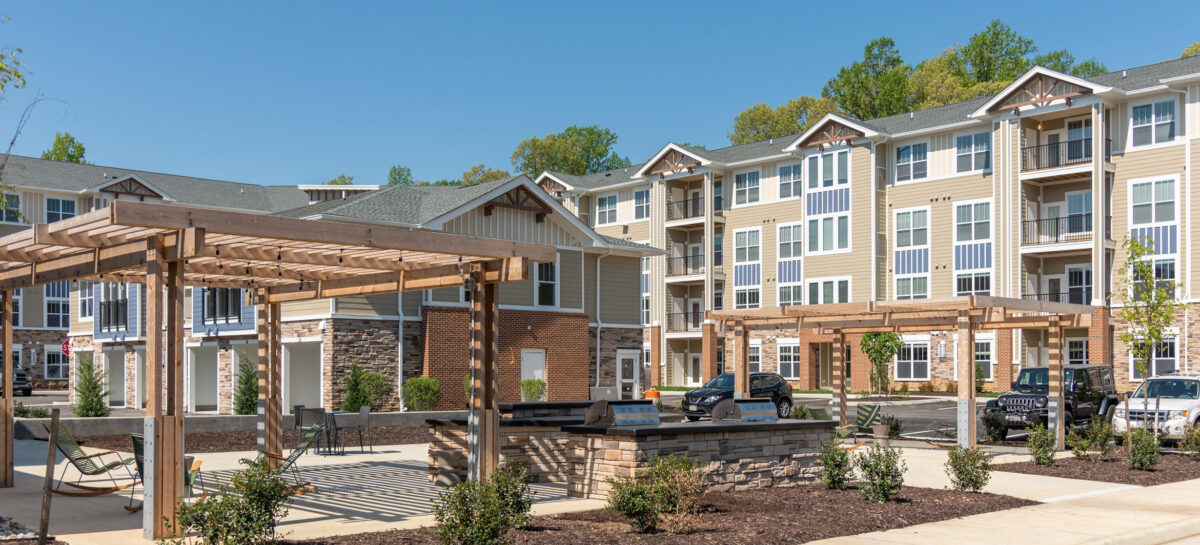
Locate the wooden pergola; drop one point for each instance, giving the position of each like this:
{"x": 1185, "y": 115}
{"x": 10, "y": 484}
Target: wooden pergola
{"x": 965, "y": 315}
{"x": 276, "y": 260}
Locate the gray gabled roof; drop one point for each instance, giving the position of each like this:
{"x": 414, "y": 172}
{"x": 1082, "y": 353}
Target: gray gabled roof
{"x": 599, "y": 179}
{"x": 49, "y": 175}
{"x": 1142, "y": 77}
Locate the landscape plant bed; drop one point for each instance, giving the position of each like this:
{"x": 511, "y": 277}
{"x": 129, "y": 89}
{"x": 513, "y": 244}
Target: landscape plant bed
{"x": 754, "y": 517}
{"x": 246, "y": 440}
{"x": 1170, "y": 468}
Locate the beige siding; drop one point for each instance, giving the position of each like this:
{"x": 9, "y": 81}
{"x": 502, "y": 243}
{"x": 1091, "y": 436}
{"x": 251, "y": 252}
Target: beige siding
{"x": 619, "y": 284}
{"x": 589, "y": 285}
{"x": 570, "y": 276}
{"x": 1147, "y": 164}
{"x": 383, "y": 304}
{"x": 517, "y": 293}
{"x": 315, "y": 307}
{"x": 857, "y": 262}
{"x": 446, "y": 295}
{"x": 509, "y": 224}
{"x": 411, "y": 303}
{"x": 78, "y": 326}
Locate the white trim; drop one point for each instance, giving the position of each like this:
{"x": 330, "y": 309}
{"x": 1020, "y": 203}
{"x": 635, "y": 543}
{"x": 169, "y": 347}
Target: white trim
{"x": 1037, "y": 70}
{"x": 991, "y": 151}
{"x": 1177, "y": 118}
{"x": 759, "y": 262}
{"x": 643, "y": 172}
{"x": 895, "y": 162}
{"x": 988, "y": 337}
{"x": 867, "y": 133}
{"x": 796, "y": 195}
{"x": 835, "y": 279}
{"x": 1174, "y": 178}
{"x": 615, "y": 209}
{"x": 555, "y": 179}
{"x": 96, "y": 188}
{"x": 733, "y": 179}
{"x": 896, "y": 277}
{"x": 915, "y": 339}
{"x": 1171, "y": 334}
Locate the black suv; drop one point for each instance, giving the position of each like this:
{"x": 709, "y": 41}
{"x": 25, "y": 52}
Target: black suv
{"x": 700, "y": 402}
{"x": 22, "y": 384}
{"x": 1088, "y": 390}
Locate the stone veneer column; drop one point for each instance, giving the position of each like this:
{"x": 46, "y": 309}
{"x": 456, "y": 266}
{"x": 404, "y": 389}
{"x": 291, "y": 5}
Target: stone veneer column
{"x": 709, "y": 343}
{"x": 656, "y": 355}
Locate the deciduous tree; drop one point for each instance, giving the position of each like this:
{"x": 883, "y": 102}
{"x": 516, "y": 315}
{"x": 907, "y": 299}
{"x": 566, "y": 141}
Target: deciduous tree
{"x": 399, "y": 175}
{"x": 1063, "y": 61}
{"x": 481, "y": 173}
{"x": 341, "y": 179}
{"x": 1190, "y": 51}
{"x": 880, "y": 348}
{"x": 576, "y": 150}
{"x": 760, "y": 121}
{"x": 998, "y": 53}
{"x": 65, "y": 148}
{"x": 873, "y": 87}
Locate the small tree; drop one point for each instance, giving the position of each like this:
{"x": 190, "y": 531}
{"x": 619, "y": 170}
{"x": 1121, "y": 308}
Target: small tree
{"x": 363, "y": 388}
{"x": 89, "y": 390}
{"x": 880, "y": 348}
{"x": 245, "y": 397}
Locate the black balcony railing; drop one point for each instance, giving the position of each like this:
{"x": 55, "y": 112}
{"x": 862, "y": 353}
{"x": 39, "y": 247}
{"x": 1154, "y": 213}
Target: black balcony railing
{"x": 685, "y": 321}
{"x": 689, "y": 264}
{"x": 112, "y": 315}
{"x": 1078, "y": 296}
{"x": 1061, "y": 154}
{"x": 1071, "y": 228}
{"x": 686, "y": 208}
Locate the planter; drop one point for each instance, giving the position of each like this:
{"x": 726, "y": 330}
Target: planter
{"x": 880, "y": 433}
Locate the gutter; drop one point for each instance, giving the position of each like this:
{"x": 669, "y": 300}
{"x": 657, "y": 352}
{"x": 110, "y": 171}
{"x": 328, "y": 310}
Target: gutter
{"x": 599, "y": 321}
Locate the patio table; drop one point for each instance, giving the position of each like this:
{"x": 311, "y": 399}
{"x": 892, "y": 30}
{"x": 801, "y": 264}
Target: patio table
{"x": 332, "y": 440}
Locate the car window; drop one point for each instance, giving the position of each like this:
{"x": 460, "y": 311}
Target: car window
{"x": 1081, "y": 380}
{"x": 756, "y": 382}
{"x": 773, "y": 381}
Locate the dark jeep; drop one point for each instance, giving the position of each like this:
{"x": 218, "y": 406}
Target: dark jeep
{"x": 1088, "y": 390}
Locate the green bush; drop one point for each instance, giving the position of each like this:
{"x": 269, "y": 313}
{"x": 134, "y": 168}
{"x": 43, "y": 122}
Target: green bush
{"x": 836, "y": 470}
{"x": 894, "y": 424}
{"x": 882, "y": 473}
{"x": 485, "y": 512}
{"x": 245, "y": 398}
{"x": 364, "y": 388}
{"x": 979, "y": 378}
{"x": 421, "y": 393}
{"x": 1095, "y": 443}
{"x": 89, "y": 390}
{"x": 952, "y": 387}
{"x": 533, "y": 389}
{"x": 1041, "y": 444}
{"x": 994, "y": 426}
{"x": 21, "y": 411}
{"x": 1143, "y": 449}
{"x": 666, "y": 494}
{"x": 969, "y": 469}
{"x": 246, "y": 511}
{"x": 1190, "y": 443}
{"x": 801, "y": 412}
{"x": 511, "y": 481}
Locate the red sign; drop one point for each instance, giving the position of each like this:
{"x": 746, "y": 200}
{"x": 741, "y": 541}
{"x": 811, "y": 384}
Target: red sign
{"x": 66, "y": 348}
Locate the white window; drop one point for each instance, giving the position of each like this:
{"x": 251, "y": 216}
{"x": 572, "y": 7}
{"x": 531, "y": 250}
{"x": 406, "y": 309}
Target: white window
{"x": 16, "y": 297}
{"x": 828, "y": 290}
{"x": 789, "y": 241}
{"x": 973, "y": 222}
{"x": 86, "y": 301}
{"x": 57, "y": 367}
{"x": 789, "y": 360}
{"x": 912, "y": 287}
{"x": 12, "y": 209}
{"x": 973, "y": 152}
{"x": 789, "y": 181}
{"x": 983, "y": 358}
{"x": 912, "y": 362}
{"x": 59, "y": 209}
{"x": 1164, "y": 276}
{"x": 546, "y": 290}
{"x": 791, "y": 294}
{"x": 1162, "y": 361}
{"x": 646, "y": 310}
{"x": 606, "y": 210}
{"x": 114, "y": 306}
{"x": 718, "y": 302}
{"x": 745, "y": 188}
{"x": 1154, "y": 123}
{"x": 912, "y": 229}
{"x": 58, "y": 304}
{"x": 747, "y": 251}
{"x": 747, "y": 297}
{"x": 978, "y": 283}
{"x": 221, "y": 305}
{"x": 828, "y": 234}
{"x": 1077, "y": 351}
{"x": 1153, "y": 202}
{"x": 754, "y": 358}
{"x": 746, "y": 246}
{"x": 912, "y": 162}
{"x": 641, "y": 204}
{"x": 826, "y": 169}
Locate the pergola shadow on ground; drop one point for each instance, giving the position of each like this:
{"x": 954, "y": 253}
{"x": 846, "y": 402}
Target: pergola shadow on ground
{"x": 274, "y": 260}
{"x": 965, "y": 315}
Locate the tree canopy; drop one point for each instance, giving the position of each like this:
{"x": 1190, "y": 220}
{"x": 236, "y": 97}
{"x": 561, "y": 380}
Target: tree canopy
{"x": 12, "y": 73}
{"x": 399, "y": 175}
{"x": 481, "y": 173}
{"x": 341, "y": 179}
{"x": 760, "y": 121}
{"x": 1190, "y": 51}
{"x": 576, "y": 150}
{"x": 66, "y": 149}
{"x": 876, "y": 86}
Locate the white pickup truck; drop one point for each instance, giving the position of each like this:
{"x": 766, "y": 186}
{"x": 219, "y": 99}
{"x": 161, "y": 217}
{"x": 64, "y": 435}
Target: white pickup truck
{"x": 1171, "y": 401}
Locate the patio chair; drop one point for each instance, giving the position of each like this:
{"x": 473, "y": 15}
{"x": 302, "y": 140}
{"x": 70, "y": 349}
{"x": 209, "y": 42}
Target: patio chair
{"x": 289, "y": 463}
{"x": 87, "y": 464}
{"x": 361, "y": 424}
{"x": 296, "y": 427}
{"x": 191, "y": 470}
{"x": 868, "y": 415}
{"x": 309, "y": 417}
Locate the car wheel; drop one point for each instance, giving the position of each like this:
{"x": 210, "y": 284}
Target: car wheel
{"x": 27, "y": 393}
{"x": 1068, "y": 422}
{"x": 692, "y": 418}
{"x": 1108, "y": 415}
{"x": 785, "y": 407}
{"x": 1004, "y": 434}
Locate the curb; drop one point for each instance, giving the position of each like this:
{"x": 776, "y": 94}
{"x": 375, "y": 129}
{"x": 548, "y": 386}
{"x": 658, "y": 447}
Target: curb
{"x": 1157, "y": 535}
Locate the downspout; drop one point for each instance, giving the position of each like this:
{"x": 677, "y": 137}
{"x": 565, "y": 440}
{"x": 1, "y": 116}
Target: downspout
{"x": 400, "y": 349}
{"x": 599, "y": 320}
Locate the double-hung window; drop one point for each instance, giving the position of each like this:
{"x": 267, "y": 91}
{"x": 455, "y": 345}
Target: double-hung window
{"x": 973, "y": 152}
{"x": 56, "y": 363}
{"x": 12, "y": 209}
{"x": 645, "y": 291}
{"x": 1162, "y": 361}
{"x": 973, "y": 222}
{"x": 972, "y": 225}
{"x": 912, "y": 362}
{"x": 745, "y": 188}
{"x": 1153, "y": 202}
{"x": 831, "y": 290}
{"x": 546, "y": 290}
{"x": 789, "y": 181}
{"x": 1077, "y": 351}
{"x": 1154, "y": 123}
{"x": 58, "y": 304}
{"x": 222, "y": 306}
{"x": 791, "y": 291}
{"x": 827, "y": 169}
{"x": 1164, "y": 278}
{"x": 606, "y": 210}
{"x": 828, "y": 233}
{"x": 641, "y": 204}
{"x": 789, "y": 360}
{"x": 59, "y": 209}
{"x": 912, "y": 162}
{"x": 746, "y": 258}
{"x": 983, "y": 359}
{"x": 16, "y": 296}
{"x": 754, "y": 358}
{"x": 87, "y": 300}
{"x": 912, "y": 232}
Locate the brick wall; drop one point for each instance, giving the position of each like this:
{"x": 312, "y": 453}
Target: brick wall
{"x": 563, "y": 335}
{"x": 37, "y": 340}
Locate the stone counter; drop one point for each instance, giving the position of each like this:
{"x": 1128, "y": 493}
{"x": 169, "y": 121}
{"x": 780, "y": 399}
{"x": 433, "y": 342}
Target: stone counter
{"x": 539, "y": 443}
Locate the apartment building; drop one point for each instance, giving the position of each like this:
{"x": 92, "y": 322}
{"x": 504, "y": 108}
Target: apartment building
{"x": 1027, "y": 194}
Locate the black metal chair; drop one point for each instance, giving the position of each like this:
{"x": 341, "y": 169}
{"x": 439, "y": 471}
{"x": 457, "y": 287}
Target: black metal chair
{"x": 296, "y": 428}
{"x": 362, "y": 424}
{"x": 314, "y": 417}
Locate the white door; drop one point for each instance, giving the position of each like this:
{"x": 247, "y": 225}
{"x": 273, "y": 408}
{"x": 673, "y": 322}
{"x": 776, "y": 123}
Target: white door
{"x": 533, "y": 364}
{"x": 114, "y": 377}
{"x": 628, "y": 366}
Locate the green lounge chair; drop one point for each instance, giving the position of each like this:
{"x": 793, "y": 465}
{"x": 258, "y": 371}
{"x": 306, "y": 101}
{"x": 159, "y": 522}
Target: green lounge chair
{"x": 288, "y": 463}
{"x": 820, "y": 414}
{"x": 191, "y": 469}
{"x": 87, "y": 464}
{"x": 868, "y": 415}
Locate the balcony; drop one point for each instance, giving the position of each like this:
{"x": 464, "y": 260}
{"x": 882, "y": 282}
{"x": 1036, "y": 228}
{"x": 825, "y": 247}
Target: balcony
{"x": 685, "y": 266}
{"x": 685, "y": 322}
{"x": 1061, "y": 154}
{"x": 1077, "y": 296}
{"x": 689, "y": 211}
{"x": 1069, "y": 230}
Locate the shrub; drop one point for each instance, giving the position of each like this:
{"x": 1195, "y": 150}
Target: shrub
{"x": 1143, "y": 449}
{"x": 245, "y": 399}
{"x": 1041, "y": 444}
{"x": 364, "y": 388}
{"x": 978, "y": 378}
{"x": 21, "y": 411}
{"x": 864, "y": 393}
{"x": 994, "y": 426}
{"x": 1190, "y": 443}
{"x": 894, "y": 424}
{"x": 835, "y": 466}
{"x": 925, "y": 387}
{"x": 89, "y": 390}
{"x": 511, "y": 481}
{"x": 801, "y": 412}
{"x": 421, "y": 393}
{"x": 969, "y": 469}
{"x": 952, "y": 387}
{"x": 1095, "y": 443}
{"x": 904, "y": 391}
{"x": 487, "y": 511}
{"x": 882, "y": 471}
{"x": 666, "y": 494}
{"x": 245, "y": 511}
{"x": 533, "y": 389}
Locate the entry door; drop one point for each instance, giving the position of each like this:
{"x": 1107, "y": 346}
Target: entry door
{"x": 696, "y": 316}
{"x": 825, "y": 364}
{"x": 1052, "y": 224}
{"x": 114, "y": 370}
{"x": 533, "y": 364}
{"x": 695, "y": 256}
{"x": 627, "y": 373}
{"x": 1054, "y": 288}
{"x": 1053, "y": 155}
{"x": 697, "y": 204}
{"x": 694, "y": 374}
{"x": 1079, "y": 285}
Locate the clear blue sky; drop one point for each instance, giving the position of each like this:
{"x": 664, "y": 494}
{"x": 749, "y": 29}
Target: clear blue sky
{"x": 286, "y": 93}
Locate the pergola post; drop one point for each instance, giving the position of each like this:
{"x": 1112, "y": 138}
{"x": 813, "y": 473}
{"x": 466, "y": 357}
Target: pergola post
{"x": 708, "y": 343}
{"x": 966, "y": 381}
{"x": 263, "y": 329}
{"x": 1054, "y": 408}
{"x": 6, "y": 421}
{"x": 656, "y": 354}
{"x": 483, "y": 434}
{"x": 838, "y": 362}
{"x": 274, "y": 437}
{"x": 162, "y": 473}
{"x": 741, "y": 361}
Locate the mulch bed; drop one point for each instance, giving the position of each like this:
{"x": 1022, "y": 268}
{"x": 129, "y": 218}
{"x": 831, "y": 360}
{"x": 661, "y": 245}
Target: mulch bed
{"x": 877, "y": 398}
{"x": 1170, "y": 468}
{"x": 246, "y": 440}
{"x": 753, "y": 517}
